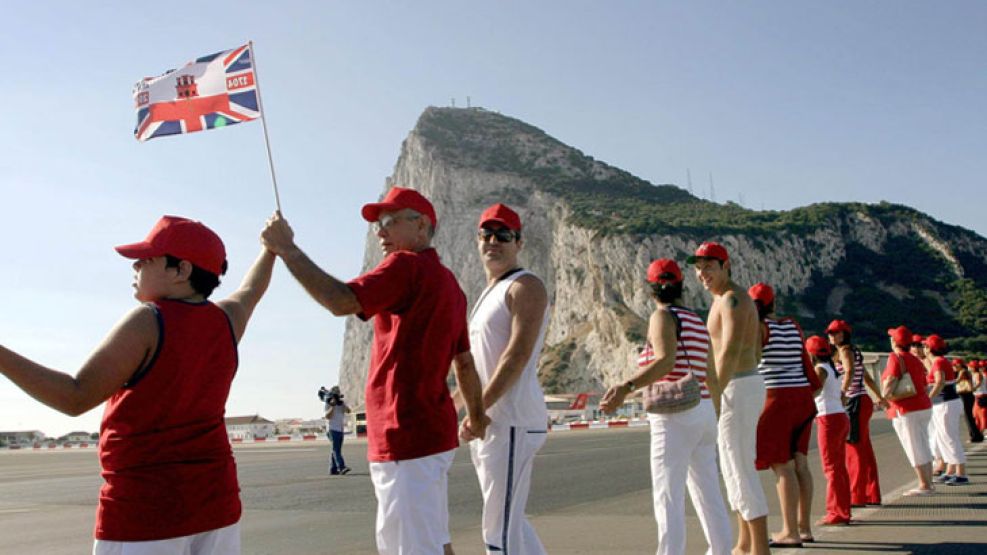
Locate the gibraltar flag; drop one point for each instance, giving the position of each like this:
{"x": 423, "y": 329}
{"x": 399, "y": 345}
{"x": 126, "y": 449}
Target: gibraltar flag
{"x": 212, "y": 91}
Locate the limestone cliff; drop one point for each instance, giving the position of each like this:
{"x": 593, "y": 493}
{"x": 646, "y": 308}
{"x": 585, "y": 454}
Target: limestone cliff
{"x": 591, "y": 229}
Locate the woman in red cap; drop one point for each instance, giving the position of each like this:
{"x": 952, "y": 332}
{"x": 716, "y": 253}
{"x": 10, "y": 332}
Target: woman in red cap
{"x": 964, "y": 386}
{"x": 946, "y": 411}
{"x": 980, "y": 396}
{"x": 909, "y": 413}
{"x": 832, "y": 426}
{"x": 865, "y": 486}
{"x": 785, "y": 426}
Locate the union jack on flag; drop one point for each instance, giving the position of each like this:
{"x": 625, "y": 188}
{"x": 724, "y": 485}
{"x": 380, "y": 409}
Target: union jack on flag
{"x": 212, "y": 91}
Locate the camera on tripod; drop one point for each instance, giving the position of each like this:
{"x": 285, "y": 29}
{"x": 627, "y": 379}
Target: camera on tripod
{"x": 332, "y": 396}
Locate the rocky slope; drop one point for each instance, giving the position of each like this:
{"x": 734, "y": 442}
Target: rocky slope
{"x": 591, "y": 229}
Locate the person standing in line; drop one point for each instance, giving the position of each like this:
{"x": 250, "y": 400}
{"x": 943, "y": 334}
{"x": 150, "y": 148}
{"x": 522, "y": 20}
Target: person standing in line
{"x": 980, "y": 395}
{"x": 507, "y": 331}
{"x": 946, "y": 411}
{"x": 735, "y": 335}
{"x": 683, "y": 444}
{"x": 964, "y": 379}
{"x": 165, "y": 371}
{"x": 336, "y": 410}
{"x": 917, "y": 348}
{"x": 419, "y": 314}
{"x": 785, "y": 425}
{"x": 909, "y": 415}
{"x": 832, "y": 428}
{"x": 861, "y": 463}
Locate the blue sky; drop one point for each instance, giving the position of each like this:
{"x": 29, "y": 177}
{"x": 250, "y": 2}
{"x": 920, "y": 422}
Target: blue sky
{"x": 784, "y": 103}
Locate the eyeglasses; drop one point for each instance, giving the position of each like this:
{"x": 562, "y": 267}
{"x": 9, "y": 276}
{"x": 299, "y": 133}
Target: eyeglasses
{"x": 503, "y": 235}
{"x": 386, "y": 222}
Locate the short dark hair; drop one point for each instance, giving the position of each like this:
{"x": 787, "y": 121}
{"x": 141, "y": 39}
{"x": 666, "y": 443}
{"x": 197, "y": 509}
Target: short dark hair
{"x": 939, "y": 352}
{"x": 666, "y": 293}
{"x": 764, "y": 309}
{"x": 202, "y": 281}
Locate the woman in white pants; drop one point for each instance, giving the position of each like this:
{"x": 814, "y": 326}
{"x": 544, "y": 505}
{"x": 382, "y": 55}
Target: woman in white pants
{"x": 946, "y": 411}
{"x": 683, "y": 444}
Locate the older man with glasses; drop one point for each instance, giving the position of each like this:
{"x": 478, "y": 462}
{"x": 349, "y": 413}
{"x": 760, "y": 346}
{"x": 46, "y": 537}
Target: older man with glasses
{"x": 419, "y": 314}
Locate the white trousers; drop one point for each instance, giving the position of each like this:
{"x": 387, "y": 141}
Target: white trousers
{"x": 740, "y": 409}
{"x": 221, "y": 541}
{"x": 913, "y": 433}
{"x": 933, "y": 437}
{"x": 683, "y": 454}
{"x": 503, "y": 460}
{"x": 946, "y": 420}
{"x": 412, "y": 504}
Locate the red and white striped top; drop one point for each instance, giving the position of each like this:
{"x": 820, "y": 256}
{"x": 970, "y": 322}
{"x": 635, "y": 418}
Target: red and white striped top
{"x": 691, "y": 352}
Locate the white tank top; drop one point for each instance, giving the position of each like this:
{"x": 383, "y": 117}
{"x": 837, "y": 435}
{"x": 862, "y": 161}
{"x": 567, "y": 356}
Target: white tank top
{"x": 490, "y": 331}
{"x": 982, "y": 388}
{"x": 828, "y": 399}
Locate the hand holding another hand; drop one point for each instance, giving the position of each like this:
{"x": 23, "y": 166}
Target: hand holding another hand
{"x": 470, "y": 429}
{"x": 277, "y": 236}
{"x": 613, "y": 399}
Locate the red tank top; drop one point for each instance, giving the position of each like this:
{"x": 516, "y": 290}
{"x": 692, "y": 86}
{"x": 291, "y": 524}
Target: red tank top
{"x": 167, "y": 463}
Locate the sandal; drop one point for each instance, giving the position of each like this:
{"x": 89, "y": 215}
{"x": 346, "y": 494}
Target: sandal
{"x": 773, "y": 543}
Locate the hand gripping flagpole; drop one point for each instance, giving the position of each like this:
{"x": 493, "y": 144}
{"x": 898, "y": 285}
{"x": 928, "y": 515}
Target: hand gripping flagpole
{"x": 263, "y": 120}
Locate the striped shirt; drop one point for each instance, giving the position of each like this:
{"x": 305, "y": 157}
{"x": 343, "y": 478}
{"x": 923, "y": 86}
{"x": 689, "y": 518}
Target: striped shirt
{"x": 781, "y": 358}
{"x": 691, "y": 351}
{"x": 857, "y": 381}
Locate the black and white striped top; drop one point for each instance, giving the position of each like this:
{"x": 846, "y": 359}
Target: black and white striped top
{"x": 781, "y": 358}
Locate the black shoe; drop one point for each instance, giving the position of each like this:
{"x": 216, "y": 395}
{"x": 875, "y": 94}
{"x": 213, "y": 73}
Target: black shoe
{"x": 345, "y": 470}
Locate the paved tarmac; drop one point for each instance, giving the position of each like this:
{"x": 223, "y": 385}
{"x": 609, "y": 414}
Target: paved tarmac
{"x": 590, "y": 494}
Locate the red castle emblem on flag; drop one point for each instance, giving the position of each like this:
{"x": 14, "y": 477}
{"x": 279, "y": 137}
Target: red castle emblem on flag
{"x": 186, "y": 86}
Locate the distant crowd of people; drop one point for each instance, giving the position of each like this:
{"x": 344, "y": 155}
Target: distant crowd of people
{"x": 727, "y": 396}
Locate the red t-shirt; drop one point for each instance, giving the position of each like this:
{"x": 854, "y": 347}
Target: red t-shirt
{"x": 419, "y": 316}
{"x": 915, "y": 368}
{"x": 166, "y": 458}
{"x": 941, "y": 364}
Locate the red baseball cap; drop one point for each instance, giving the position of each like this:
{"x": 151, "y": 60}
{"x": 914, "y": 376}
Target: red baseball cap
{"x": 501, "y": 214}
{"x": 838, "y": 325}
{"x": 916, "y": 338}
{"x": 818, "y": 345}
{"x": 982, "y": 363}
{"x": 762, "y": 292}
{"x": 664, "y": 270}
{"x": 399, "y": 198}
{"x": 902, "y": 336}
{"x": 958, "y": 362}
{"x": 182, "y": 238}
{"x": 709, "y": 249}
{"x": 935, "y": 342}
{"x": 973, "y": 363}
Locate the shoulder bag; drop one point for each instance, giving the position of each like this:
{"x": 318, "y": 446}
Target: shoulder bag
{"x": 901, "y": 388}
{"x": 667, "y": 397}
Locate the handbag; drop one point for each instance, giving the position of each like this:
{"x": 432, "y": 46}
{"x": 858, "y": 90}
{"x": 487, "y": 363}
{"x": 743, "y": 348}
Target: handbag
{"x": 963, "y": 385}
{"x": 667, "y": 397}
{"x": 903, "y": 387}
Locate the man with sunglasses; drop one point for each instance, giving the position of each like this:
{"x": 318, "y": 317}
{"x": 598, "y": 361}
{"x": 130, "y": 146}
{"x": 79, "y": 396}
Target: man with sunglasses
{"x": 419, "y": 314}
{"x": 507, "y": 329}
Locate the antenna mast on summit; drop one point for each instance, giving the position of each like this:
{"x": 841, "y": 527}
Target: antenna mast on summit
{"x": 467, "y": 101}
{"x": 688, "y": 179}
{"x": 712, "y": 190}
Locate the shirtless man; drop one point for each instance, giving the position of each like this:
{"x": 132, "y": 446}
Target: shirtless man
{"x": 735, "y": 334}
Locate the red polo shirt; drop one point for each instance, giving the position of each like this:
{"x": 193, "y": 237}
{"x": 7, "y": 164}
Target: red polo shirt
{"x": 917, "y": 402}
{"x": 419, "y": 314}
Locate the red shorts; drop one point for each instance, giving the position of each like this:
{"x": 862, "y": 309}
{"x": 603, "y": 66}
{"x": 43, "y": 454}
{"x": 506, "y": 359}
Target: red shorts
{"x": 785, "y": 425}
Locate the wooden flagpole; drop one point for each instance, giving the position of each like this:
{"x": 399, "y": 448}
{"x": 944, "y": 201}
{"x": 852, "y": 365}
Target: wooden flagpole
{"x": 263, "y": 120}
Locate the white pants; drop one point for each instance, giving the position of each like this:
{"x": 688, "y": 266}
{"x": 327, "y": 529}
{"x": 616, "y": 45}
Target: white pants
{"x": 946, "y": 419}
{"x": 221, "y": 541}
{"x": 503, "y": 463}
{"x": 933, "y": 437}
{"x": 913, "y": 433}
{"x": 683, "y": 453}
{"x": 412, "y": 504}
{"x": 740, "y": 409}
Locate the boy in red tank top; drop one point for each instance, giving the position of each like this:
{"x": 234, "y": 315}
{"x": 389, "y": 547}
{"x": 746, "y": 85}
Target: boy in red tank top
{"x": 169, "y": 476}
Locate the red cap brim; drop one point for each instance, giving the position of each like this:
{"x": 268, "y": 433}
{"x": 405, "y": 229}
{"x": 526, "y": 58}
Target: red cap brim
{"x": 138, "y": 250}
{"x": 371, "y": 212}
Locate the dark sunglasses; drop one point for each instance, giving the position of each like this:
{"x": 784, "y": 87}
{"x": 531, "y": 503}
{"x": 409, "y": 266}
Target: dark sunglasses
{"x": 503, "y": 235}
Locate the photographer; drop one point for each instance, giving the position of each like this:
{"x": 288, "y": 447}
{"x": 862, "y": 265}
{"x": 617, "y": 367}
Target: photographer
{"x": 335, "y": 414}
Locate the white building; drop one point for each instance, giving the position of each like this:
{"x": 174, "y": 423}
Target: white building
{"x": 249, "y": 427}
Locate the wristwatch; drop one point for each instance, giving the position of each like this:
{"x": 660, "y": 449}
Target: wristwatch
{"x": 629, "y": 384}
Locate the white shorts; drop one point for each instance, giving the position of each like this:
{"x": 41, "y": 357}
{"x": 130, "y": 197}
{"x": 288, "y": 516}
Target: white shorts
{"x": 412, "y": 504}
{"x": 913, "y": 433}
{"x": 946, "y": 422}
{"x": 740, "y": 409}
{"x": 503, "y": 461}
{"x": 221, "y": 541}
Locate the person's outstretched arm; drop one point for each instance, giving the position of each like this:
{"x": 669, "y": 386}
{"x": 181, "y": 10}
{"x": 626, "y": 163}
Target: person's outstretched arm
{"x": 240, "y": 305}
{"x": 126, "y": 349}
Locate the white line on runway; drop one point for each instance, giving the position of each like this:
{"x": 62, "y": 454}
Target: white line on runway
{"x": 288, "y": 450}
